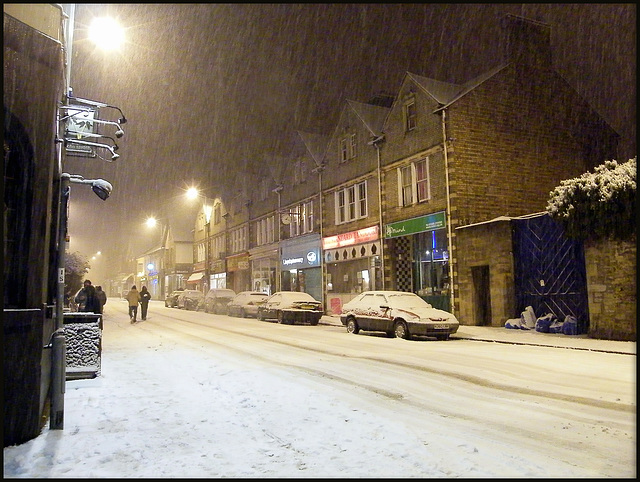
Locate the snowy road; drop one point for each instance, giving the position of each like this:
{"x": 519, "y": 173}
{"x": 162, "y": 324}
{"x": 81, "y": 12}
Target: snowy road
{"x": 305, "y": 401}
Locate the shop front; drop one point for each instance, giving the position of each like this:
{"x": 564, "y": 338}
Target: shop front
{"x": 238, "y": 273}
{"x": 264, "y": 267}
{"x": 218, "y": 276}
{"x": 353, "y": 265}
{"x": 195, "y": 281}
{"x": 419, "y": 257}
{"x": 300, "y": 265}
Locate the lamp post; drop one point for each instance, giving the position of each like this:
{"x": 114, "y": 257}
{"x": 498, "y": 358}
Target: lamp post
{"x": 102, "y": 189}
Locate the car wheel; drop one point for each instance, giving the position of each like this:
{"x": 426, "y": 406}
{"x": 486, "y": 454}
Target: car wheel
{"x": 243, "y": 313}
{"x": 280, "y": 317}
{"x": 401, "y": 331}
{"x": 259, "y": 316}
{"x": 352, "y": 326}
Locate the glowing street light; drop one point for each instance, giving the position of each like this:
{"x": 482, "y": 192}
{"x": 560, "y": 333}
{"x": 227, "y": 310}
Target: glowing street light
{"x": 106, "y": 33}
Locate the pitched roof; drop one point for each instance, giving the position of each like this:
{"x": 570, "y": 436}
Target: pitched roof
{"x": 372, "y": 116}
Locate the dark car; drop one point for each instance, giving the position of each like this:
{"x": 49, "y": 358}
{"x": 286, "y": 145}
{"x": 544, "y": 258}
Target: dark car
{"x": 246, "y": 303}
{"x": 289, "y": 307}
{"x": 397, "y": 313}
{"x": 217, "y": 300}
{"x": 190, "y": 300}
{"x": 171, "y": 301}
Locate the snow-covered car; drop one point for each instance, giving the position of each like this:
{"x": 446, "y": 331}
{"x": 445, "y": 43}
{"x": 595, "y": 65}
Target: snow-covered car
{"x": 191, "y": 300}
{"x": 291, "y": 307}
{"x": 397, "y": 313}
{"x": 171, "y": 301}
{"x": 217, "y": 300}
{"x": 246, "y": 303}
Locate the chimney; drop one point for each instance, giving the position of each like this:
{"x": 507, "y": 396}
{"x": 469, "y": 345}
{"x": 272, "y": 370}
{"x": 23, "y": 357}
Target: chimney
{"x": 527, "y": 41}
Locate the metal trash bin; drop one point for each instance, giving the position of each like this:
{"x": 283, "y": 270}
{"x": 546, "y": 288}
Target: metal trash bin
{"x": 83, "y": 336}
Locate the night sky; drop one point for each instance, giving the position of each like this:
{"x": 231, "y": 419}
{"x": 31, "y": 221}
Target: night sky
{"x": 207, "y": 86}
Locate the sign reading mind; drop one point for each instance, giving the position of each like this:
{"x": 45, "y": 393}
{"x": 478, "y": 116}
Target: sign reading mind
{"x": 429, "y": 222}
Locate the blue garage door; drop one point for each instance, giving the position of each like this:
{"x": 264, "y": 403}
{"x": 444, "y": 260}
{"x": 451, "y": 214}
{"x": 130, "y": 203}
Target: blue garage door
{"x": 549, "y": 270}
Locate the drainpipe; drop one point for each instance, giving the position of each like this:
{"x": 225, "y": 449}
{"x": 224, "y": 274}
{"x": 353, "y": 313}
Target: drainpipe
{"x": 58, "y": 362}
{"x": 376, "y": 142}
{"x": 277, "y": 190}
{"x": 319, "y": 170}
{"x": 449, "y": 232}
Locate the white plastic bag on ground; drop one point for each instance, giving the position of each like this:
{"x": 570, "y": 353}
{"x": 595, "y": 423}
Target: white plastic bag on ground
{"x": 528, "y": 319}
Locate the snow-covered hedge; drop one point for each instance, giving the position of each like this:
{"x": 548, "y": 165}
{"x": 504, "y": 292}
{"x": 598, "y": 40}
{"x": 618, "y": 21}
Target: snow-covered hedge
{"x": 597, "y": 205}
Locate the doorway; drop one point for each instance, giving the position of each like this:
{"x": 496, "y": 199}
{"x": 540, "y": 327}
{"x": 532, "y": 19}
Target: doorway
{"x": 481, "y": 295}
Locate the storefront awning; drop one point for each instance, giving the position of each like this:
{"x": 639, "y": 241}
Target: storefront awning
{"x": 195, "y": 277}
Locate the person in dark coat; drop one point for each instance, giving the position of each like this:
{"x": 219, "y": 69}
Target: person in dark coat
{"x": 92, "y": 303}
{"x": 81, "y": 297}
{"x": 145, "y": 296}
{"x": 102, "y": 296}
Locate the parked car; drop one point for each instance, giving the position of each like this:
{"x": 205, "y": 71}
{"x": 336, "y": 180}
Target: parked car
{"x": 246, "y": 303}
{"x": 217, "y": 300}
{"x": 397, "y": 313}
{"x": 171, "y": 301}
{"x": 190, "y": 299}
{"x": 291, "y": 307}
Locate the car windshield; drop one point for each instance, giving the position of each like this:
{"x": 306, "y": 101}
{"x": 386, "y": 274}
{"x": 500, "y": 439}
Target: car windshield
{"x": 407, "y": 301}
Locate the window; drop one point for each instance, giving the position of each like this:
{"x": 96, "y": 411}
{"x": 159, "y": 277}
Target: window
{"x": 301, "y": 219}
{"x": 351, "y": 203}
{"x": 299, "y": 172}
{"x": 239, "y": 239}
{"x": 414, "y": 185}
{"x": 410, "y": 120}
{"x": 217, "y": 214}
{"x": 265, "y": 231}
{"x": 348, "y": 147}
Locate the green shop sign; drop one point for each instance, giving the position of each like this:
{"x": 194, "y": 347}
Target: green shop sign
{"x": 415, "y": 225}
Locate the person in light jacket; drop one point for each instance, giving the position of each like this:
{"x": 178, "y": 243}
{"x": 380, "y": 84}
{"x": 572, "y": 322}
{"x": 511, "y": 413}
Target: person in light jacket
{"x": 133, "y": 297}
{"x": 145, "y": 296}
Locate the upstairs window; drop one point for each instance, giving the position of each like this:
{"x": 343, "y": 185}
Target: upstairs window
{"x": 348, "y": 147}
{"x": 410, "y": 118}
{"x": 351, "y": 203}
{"x": 414, "y": 184}
{"x": 299, "y": 171}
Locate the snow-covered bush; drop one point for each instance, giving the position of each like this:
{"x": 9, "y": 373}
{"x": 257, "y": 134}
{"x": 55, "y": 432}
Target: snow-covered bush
{"x": 75, "y": 267}
{"x": 597, "y": 205}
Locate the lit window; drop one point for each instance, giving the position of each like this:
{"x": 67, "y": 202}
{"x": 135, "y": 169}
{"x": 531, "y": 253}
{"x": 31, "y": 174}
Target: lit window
{"x": 414, "y": 183}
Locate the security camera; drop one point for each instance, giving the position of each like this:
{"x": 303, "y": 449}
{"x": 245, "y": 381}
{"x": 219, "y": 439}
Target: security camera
{"x": 102, "y": 188}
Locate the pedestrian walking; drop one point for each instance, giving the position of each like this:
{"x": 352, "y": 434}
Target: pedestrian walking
{"x": 92, "y": 303}
{"x": 81, "y": 297}
{"x": 145, "y": 296}
{"x": 133, "y": 297}
{"x": 102, "y": 296}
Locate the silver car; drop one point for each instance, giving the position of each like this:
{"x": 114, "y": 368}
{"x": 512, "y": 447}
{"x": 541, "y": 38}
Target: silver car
{"x": 397, "y": 313}
{"x": 246, "y": 303}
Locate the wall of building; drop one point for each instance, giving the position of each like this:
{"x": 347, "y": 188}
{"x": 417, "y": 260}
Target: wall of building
{"x": 611, "y": 284}
{"x": 513, "y": 141}
{"x": 490, "y": 245}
